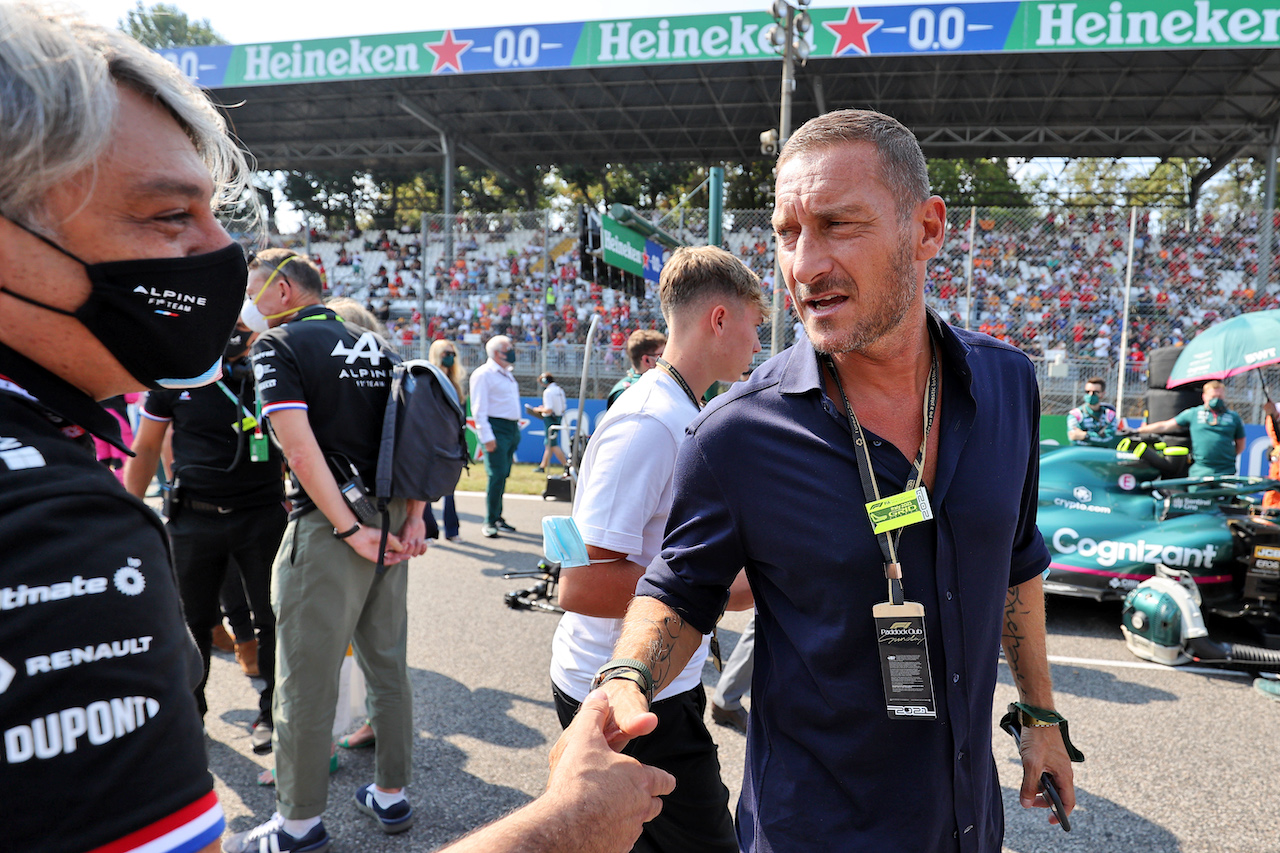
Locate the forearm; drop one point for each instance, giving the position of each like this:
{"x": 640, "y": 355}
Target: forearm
{"x": 1023, "y": 640}
{"x": 306, "y": 461}
{"x": 603, "y": 589}
{"x": 1158, "y": 426}
{"x": 658, "y": 637}
{"x": 740, "y": 596}
{"x": 139, "y": 470}
{"x": 539, "y": 827}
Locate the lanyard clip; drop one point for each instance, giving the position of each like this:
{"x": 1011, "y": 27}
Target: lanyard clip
{"x": 893, "y": 572}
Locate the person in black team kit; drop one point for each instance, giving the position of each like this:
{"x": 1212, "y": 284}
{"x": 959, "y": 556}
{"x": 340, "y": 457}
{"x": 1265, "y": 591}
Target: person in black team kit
{"x": 229, "y": 503}
{"x": 323, "y": 386}
{"x": 115, "y": 276}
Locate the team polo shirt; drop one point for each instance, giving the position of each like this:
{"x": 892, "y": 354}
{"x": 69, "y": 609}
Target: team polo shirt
{"x": 339, "y": 376}
{"x": 1213, "y": 439}
{"x": 101, "y": 745}
{"x": 211, "y": 457}
{"x": 767, "y": 479}
{"x": 1099, "y": 424}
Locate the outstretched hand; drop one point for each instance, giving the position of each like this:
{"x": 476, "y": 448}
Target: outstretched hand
{"x": 610, "y": 795}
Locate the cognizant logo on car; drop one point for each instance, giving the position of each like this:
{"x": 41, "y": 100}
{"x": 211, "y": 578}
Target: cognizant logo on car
{"x": 1107, "y": 552}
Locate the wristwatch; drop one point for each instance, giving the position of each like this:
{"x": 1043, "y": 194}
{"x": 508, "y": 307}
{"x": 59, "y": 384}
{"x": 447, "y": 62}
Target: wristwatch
{"x": 630, "y": 669}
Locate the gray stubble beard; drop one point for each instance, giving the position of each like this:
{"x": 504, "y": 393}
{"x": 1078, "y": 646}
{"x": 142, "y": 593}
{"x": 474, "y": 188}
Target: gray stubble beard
{"x": 888, "y": 314}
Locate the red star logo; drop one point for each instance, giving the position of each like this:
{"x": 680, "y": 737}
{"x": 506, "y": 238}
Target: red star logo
{"x": 448, "y": 52}
{"x": 853, "y": 33}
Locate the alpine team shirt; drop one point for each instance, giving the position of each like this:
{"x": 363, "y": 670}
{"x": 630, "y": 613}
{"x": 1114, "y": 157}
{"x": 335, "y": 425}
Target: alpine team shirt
{"x": 340, "y": 378}
{"x": 100, "y": 743}
{"x": 211, "y": 456}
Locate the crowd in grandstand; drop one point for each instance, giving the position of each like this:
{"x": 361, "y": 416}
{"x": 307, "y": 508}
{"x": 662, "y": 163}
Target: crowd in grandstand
{"x": 1051, "y": 283}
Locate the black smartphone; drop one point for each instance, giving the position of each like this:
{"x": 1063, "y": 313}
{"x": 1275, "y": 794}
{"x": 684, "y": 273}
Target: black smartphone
{"x": 1047, "y": 787}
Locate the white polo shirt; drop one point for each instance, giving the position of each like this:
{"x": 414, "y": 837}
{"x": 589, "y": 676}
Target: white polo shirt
{"x": 622, "y": 503}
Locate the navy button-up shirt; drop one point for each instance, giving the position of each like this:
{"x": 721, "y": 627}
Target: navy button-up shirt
{"x": 768, "y": 480}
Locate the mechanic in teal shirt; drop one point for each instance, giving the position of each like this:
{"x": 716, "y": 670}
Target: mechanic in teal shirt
{"x": 1217, "y": 433}
{"x": 1094, "y": 422}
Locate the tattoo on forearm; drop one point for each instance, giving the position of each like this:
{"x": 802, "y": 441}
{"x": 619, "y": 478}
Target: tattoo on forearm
{"x": 665, "y": 632}
{"x": 1013, "y": 636}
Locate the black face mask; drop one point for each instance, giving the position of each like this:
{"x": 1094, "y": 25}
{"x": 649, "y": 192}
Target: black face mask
{"x": 161, "y": 317}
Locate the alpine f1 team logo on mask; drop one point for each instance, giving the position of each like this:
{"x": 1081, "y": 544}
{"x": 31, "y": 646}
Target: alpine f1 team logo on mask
{"x": 170, "y": 303}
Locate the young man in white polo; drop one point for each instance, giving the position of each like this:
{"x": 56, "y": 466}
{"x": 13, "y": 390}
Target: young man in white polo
{"x": 713, "y": 305}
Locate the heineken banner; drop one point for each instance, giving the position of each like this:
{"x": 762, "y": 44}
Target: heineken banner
{"x": 622, "y": 247}
{"x": 1026, "y": 26}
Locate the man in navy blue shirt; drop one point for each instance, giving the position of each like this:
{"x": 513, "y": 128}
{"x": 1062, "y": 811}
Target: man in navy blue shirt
{"x": 769, "y": 479}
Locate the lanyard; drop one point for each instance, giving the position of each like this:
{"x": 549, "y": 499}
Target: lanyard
{"x": 870, "y": 489}
{"x": 684, "y": 386}
{"x": 236, "y": 401}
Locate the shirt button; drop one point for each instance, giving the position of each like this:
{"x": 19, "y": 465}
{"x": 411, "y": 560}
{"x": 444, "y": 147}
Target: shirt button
{"x": 969, "y": 827}
{"x": 876, "y": 442}
{"x": 948, "y": 595}
{"x": 955, "y": 678}
{"x": 960, "y": 756}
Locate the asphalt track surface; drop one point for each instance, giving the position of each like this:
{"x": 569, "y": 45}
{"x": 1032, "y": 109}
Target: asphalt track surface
{"x": 1177, "y": 761}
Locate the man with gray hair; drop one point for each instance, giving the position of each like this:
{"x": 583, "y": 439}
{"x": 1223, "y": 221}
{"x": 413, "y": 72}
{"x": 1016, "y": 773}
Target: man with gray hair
{"x": 884, "y": 587}
{"x": 495, "y": 407}
{"x": 115, "y": 276}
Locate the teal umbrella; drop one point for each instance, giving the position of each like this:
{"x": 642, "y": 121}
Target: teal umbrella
{"x": 1233, "y": 346}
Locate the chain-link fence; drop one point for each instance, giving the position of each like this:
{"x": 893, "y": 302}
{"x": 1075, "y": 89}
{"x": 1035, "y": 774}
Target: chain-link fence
{"x": 1051, "y": 281}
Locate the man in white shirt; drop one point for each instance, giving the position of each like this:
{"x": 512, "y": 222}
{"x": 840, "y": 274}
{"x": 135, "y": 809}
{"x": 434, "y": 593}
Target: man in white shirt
{"x": 713, "y": 305}
{"x": 551, "y": 411}
{"x": 495, "y": 407}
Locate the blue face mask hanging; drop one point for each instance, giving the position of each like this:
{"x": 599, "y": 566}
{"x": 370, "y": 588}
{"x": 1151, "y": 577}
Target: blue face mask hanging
{"x": 562, "y": 543}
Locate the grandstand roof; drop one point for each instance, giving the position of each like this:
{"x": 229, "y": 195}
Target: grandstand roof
{"x": 1215, "y": 104}
{"x": 1013, "y": 78}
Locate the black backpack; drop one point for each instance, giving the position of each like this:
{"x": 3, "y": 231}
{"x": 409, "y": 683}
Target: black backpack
{"x": 424, "y": 444}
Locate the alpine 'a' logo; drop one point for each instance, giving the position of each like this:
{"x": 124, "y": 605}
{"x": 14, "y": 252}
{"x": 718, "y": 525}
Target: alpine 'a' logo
{"x": 366, "y": 347}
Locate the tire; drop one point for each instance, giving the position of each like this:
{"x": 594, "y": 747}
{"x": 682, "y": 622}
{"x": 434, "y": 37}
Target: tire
{"x": 1160, "y": 365}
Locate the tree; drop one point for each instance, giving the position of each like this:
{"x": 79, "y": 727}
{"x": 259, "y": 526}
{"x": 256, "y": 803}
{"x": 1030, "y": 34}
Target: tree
{"x": 981, "y": 182}
{"x": 1115, "y": 181}
{"x": 162, "y": 26}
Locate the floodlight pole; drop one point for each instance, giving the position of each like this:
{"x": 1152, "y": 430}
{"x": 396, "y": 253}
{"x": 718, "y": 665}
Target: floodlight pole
{"x": 446, "y": 147}
{"x": 423, "y": 343}
{"x": 1124, "y": 316}
{"x": 1266, "y": 250}
{"x": 784, "y": 131}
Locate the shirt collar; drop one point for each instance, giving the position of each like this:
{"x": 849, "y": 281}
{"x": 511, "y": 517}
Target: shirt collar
{"x": 802, "y": 372}
{"x": 317, "y": 310}
{"x": 58, "y": 397}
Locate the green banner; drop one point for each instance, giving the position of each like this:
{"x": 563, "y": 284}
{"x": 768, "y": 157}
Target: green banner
{"x": 1114, "y": 25}
{"x": 623, "y": 248}
{"x": 849, "y": 32}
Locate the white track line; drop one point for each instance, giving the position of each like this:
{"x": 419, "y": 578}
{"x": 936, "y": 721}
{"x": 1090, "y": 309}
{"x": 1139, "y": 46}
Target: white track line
{"x": 1133, "y": 664}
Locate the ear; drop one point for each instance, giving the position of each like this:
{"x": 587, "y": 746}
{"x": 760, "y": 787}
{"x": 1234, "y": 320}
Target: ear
{"x": 718, "y": 317}
{"x": 931, "y": 216}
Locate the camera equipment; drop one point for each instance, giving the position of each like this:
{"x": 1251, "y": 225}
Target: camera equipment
{"x": 540, "y": 596}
